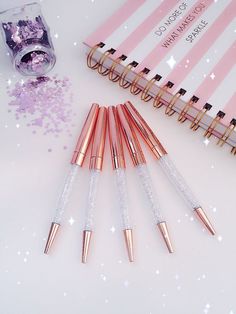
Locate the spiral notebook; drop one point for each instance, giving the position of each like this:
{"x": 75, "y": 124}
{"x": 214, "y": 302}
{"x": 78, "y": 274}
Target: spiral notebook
{"x": 177, "y": 54}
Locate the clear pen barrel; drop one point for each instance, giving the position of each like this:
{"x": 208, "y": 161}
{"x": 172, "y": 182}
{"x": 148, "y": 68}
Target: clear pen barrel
{"x": 121, "y": 187}
{"x": 91, "y": 201}
{"x": 150, "y": 191}
{"x": 178, "y": 181}
{"x": 64, "y": 197}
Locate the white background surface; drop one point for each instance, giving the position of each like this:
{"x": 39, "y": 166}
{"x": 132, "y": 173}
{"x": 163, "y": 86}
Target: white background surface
{"x": 198, "y": 278}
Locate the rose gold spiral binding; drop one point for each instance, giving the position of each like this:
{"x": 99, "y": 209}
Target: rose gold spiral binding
{"x": 169, "y": 109}
{"x": 233, "y": 150}
{"x": 101, "y": 69}
{"x": 228, "y": 131}
{"x": 220, "y": 115}
{"x": 134, "y": 89}
{"x": 112, "y": 76}
{"x": 182, "y": 116}
{"x": 157, "y": 103}
{"x": 145, "y": 96}
{"x": 122, "y": 81}
{"x": 195, "y": 124}
{"x": 90, "y": 63}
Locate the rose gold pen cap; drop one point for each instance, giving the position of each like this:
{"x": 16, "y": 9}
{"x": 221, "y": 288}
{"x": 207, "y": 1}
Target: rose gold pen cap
{"x": 203, "y": 217}
{"x": 116, "y": 147}
{"x": 130, "y": 137}
{"x": 87, "y": 234}
{"x": 51, "y": 237}
{"x": 85, "y": 136}
{"x": 145, "y": 131}
{"x": 128, "y": 233}
{"x": 99, "y": 137}
{"x": 165, "y": 234}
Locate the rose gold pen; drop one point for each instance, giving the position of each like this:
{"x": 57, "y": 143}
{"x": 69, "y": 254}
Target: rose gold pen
{"x": 118, "y": 164}
{"x": 96, "y": 162}
{"x": 76, "y": 163}
{"x": 167, "y": 164}
{"x": 139, "y": 162}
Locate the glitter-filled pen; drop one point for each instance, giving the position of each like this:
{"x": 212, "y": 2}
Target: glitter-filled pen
{"x": 167, "y": 164}
{"x": 118, "y": 164}
{"x": 139, "y": 162}
{"x": 76, "y": 163}
{"x": 96, "y": 162}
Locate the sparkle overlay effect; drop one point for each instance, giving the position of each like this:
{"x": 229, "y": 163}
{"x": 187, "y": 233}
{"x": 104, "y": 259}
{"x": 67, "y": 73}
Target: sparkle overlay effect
{"x": 44, "y": 104}
{"x": 171, "y": 62}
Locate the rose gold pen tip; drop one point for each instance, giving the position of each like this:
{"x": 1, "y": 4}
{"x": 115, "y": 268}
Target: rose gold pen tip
{"x": 86, "y": 243}
{"x": 129, "y": 243}
{"x": 51, "y": 236}
{"x": 165, "y": 235}
{"x": 203, "y": 217}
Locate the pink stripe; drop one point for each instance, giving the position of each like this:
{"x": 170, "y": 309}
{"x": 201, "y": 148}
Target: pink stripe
{"x": 157, "y": 54}
{"x": 143, "y": 29}
{"x": 107, "y": 28}
{"x": 223, "y": 67}
{"x": 230, "y": 110}
{"x": 201, "y": 47}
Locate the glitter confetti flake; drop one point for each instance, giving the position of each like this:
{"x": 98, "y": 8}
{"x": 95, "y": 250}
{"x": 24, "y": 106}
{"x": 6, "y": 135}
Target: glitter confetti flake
{"x": 103, "y": 277}
{"x": 126, "y": 283}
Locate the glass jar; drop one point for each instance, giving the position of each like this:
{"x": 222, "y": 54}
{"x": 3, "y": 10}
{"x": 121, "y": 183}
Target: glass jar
{"x": 28, "y": 40}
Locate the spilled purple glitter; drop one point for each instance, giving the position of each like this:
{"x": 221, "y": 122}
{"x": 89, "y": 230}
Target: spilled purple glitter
{"x": 45, "y": 103}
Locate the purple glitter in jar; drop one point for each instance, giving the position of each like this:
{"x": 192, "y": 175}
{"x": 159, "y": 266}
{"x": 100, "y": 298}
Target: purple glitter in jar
{"x": 28, "y": 40}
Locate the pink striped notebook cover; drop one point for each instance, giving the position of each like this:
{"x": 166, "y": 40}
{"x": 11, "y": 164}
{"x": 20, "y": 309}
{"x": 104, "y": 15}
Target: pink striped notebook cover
{"x": 188, "y": 43}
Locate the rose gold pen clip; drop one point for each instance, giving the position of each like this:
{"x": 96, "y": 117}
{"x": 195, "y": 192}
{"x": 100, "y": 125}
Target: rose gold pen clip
{"x": 118, "y": 163}
{"x": 96, "y": 163}
{"x": 167, "y": 165}
{"x": 76, "y": 162}
{"x": 139, "y": 162}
